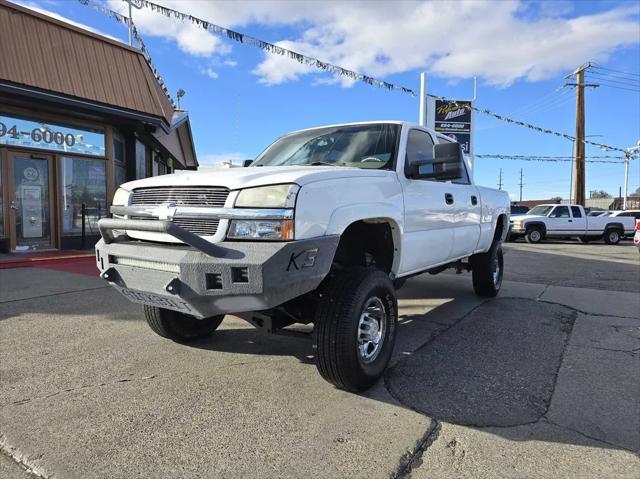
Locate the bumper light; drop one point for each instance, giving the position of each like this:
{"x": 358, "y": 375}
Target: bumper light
{"x": 274, "y": 230}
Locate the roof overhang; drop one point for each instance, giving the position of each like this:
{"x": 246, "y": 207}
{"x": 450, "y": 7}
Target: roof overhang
{"x": 178, "y": 141}
{"x": 36, "y": 94}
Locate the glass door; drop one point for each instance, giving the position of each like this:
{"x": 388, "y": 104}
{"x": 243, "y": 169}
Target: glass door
{"x": 30, "y": 202}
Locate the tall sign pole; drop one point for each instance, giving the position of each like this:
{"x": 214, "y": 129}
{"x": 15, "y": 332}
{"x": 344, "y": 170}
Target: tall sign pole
{"x": 422, "y": 117}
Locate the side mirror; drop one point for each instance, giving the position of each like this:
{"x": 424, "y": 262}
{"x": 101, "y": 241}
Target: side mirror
{"x": 246, "y": 163}
{"x": 446, "y": 163}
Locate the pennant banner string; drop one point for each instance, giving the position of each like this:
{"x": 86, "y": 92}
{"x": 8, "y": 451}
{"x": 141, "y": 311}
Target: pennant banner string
{"x": 313, "y": 62}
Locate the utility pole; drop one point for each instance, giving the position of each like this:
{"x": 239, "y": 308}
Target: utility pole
{"x": 521, "y": 184}
{"x": 579, "y": 149}
{"x": 500, "y": 180}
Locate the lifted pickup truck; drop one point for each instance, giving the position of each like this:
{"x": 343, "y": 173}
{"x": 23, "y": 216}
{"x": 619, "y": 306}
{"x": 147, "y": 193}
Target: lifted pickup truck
{"x": 321, "y": 228}
{"x": 567, "y": 221}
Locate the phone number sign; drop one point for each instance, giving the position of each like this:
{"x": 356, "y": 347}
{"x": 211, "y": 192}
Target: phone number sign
{"x": 48, "y": 136}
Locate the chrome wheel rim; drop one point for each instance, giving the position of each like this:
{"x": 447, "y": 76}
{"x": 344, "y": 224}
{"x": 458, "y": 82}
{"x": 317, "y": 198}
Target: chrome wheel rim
{"x": 535, "y": 235}
{"x": 371, "y": 329}
{"x": 613, "y": 236}
{"x": 495, "y": 275}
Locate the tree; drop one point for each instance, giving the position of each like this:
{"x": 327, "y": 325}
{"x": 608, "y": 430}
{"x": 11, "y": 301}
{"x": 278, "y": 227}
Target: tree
{"x": 600, "y": 194}
{"x": 637, "y": 192}
{"x": 556, "y": 199}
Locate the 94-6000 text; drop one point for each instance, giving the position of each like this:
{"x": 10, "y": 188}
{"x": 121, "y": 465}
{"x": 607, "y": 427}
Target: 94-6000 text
{"x": 38, "y": 135}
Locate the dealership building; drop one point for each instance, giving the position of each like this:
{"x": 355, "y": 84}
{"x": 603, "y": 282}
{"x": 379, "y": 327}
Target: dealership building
{"x": 80, "y": 114}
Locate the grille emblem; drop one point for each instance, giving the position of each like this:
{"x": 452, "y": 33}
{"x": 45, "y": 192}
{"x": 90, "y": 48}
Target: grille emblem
{"x": 166, "y": 211}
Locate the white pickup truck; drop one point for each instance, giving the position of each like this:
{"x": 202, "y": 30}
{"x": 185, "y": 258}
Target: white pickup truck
{"x": 321, "y": 228}
{"x": 569, "y": 221}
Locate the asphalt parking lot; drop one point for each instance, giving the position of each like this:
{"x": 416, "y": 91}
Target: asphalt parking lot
{"x": 543, "y": 381}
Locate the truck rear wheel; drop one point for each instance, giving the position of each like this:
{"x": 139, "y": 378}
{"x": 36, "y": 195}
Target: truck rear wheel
{"x": 355, "y": 327}
{"x": 179, "y": 327}
{"x": 487, "y": 271}
{"x": 612, "y": 236}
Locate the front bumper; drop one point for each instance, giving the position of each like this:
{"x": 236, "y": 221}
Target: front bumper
{"x": 206, "y": 280}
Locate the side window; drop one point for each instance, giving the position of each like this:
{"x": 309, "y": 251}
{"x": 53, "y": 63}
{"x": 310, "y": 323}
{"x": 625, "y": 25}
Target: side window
{"x": 560, "y": 212}
{"x": 464, "y": 180}
{"x": 419, "y": 148}
{"x": 576, "y": 212}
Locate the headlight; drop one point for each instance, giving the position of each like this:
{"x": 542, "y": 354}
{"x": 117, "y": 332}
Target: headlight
{"x": 276, "y": 230}
{"x": 274, "y": 196}
{"x": 121, "y": 197}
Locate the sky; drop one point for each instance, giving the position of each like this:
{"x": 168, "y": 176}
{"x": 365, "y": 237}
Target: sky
{"x": 240, "y": 98}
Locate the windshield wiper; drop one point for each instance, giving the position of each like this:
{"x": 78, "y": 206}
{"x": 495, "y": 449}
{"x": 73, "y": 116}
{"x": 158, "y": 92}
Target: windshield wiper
{"x": 324, "y": 163}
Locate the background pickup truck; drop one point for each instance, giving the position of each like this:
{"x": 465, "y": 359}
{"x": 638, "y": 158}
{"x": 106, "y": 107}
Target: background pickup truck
{"x": 568, "y": 221}
{"x": 321, "y": 229}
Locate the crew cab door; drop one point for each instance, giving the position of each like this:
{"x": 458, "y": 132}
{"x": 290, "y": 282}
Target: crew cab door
{"x": 466, "y": 215}
{"x": 428, "y": 213}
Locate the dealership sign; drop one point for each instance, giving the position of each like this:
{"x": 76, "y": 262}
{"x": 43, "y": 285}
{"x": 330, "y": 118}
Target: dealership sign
{"x": 16, "y": 131}
{"x": 453, "y": 118}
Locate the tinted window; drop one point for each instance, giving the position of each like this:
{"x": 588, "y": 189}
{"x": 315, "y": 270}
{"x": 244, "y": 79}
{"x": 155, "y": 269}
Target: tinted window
{"x": 576, "y": 212}
{"x": 560, "y": 212}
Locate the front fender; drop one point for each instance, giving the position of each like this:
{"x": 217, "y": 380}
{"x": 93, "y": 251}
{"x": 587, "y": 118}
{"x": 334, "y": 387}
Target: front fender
{"x": 374, "y": 213}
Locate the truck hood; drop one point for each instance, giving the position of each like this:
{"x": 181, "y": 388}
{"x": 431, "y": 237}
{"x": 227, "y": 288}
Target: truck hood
{"x": 235, "y": 178}
{"x": 528, "y": 217}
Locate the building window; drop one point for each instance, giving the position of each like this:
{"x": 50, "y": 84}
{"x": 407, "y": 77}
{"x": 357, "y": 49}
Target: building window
{"x": 141, "y": 160}
{"x": 83, "y": 182}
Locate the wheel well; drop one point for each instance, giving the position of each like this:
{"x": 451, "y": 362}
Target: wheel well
{"x": 614, "y": 226}
{"x": 366, "y": 243}
{"x": 501, "y": 228}
{"x": 540, "y": 226}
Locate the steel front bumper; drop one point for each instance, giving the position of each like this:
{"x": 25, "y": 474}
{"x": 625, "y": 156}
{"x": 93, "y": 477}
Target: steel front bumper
{"x": 206, "y": 279}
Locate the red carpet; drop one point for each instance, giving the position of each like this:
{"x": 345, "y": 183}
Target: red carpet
{"x": 70, "y": 261}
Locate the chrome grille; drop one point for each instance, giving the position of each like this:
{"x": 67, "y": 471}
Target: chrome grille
{"x": 199, "y": 226}
{"x": 181, "y": 195}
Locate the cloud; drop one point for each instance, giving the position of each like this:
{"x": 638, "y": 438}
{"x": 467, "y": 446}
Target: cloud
{"x": 210, "y": 73}
{"x": 500, "y": 42}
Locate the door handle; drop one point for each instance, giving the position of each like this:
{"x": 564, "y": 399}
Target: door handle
{"x": 448, "y": 197}
{"x": 570, "y": 221}
{"x": 474, "y": 200}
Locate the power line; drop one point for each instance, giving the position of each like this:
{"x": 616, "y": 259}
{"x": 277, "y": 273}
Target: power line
{"x": 611, "y": 79}
{"x": 619, "y": 72}
{"x": 543, "y": 159}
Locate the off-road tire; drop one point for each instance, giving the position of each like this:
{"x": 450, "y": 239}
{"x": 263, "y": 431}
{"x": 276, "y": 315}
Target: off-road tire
{"x": 487, "y": 280}
{"x": 612, "y": 236}
{"x": 343, "y": 298}
{"x": 179, "y": 327}
{"x": 533, "y": 235}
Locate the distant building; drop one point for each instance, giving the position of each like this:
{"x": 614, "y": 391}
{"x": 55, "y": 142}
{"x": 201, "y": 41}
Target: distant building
{"x": 80, "y": 114}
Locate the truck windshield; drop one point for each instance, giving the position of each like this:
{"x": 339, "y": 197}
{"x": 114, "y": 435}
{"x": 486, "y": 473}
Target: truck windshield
{"x": 360, "y": 146}
{"x": 540, "y": 210}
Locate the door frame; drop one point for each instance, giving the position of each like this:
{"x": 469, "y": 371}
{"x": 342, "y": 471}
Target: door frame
{"x": 11, "y": 196}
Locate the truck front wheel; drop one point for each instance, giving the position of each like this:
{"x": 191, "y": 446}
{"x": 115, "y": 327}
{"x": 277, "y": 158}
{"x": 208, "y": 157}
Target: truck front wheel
{"x": 487, "y": 269}
{"x": 533, "y": 235}
{"x": 179, "y": 327}
{"x": 355, "y": 327}
{"x": 612, "y": 236}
